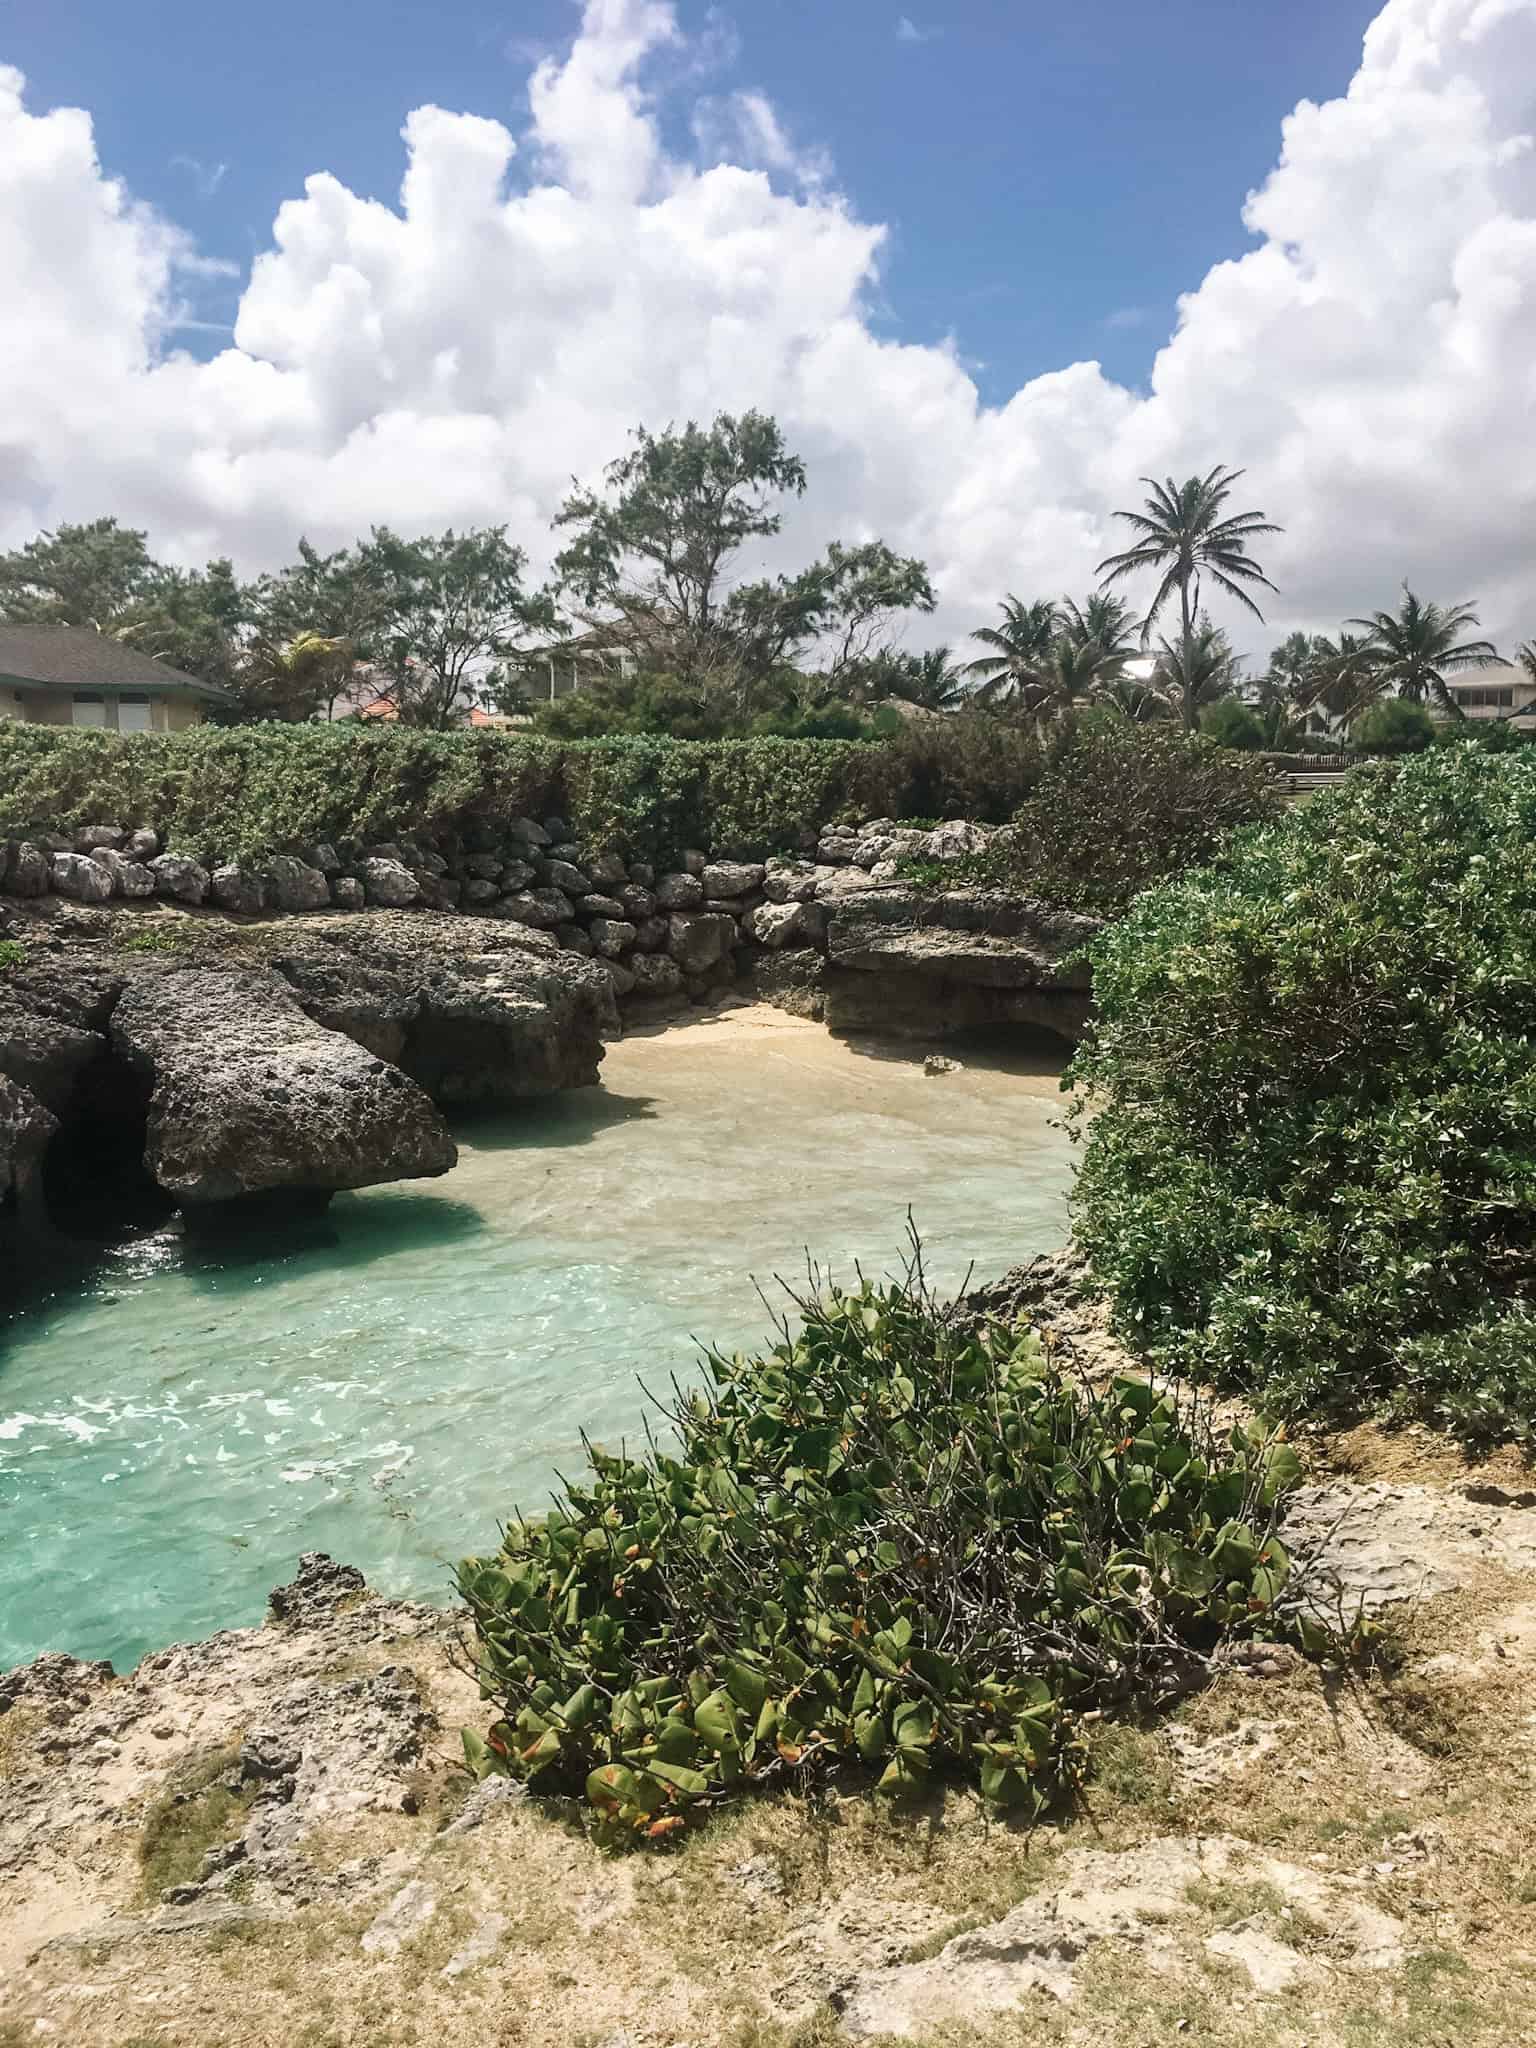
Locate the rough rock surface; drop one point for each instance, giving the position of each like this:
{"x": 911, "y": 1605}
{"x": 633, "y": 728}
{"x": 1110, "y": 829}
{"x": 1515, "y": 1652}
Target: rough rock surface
{"x": 78, "y": 876}
{"x": 25, "y": 1130}
{"x": 478, "y": 1014}
{"x": 1135, "y": 1899}
{"x": 914, "y": 965}
{"x": 248, "y": 1094}
{"x": 321, "y": 1719}
{"x": 179, "y": 879}
{"x": 1374, "y": 1545}
{"x": 297, "y": 886}
{"x": 468, "y": 1013}
{"x": 237, "y": 890}
{"x": 388, "y": 882}
{"x": 1055, "y": 1292}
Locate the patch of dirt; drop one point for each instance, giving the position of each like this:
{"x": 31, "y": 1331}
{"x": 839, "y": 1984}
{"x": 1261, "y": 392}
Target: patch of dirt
{"x": 1419, "y": 1455}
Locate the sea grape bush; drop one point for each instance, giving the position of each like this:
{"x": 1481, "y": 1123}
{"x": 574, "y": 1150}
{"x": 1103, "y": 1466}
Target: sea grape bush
{"x": 888, "y": 1544}
{"x": 1310, "y": 1167}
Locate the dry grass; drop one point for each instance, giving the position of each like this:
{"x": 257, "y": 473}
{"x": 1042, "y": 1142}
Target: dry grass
{"x": 196, "y": 1811}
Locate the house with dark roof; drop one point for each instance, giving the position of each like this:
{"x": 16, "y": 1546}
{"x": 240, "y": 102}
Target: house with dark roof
{"x": 73, "y": 675}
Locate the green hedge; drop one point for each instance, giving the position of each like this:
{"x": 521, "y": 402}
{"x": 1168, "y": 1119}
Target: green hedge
{"x": 1310, "y": 1170}
{"x": 252, "y": 790}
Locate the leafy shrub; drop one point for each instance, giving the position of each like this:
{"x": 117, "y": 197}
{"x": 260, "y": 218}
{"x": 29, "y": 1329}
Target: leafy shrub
{"x": 1232, "y": 724}
{"x": 1311, "y": 1167}
{"x": 888, "y": 1543}
{"x": 1116, "y": 807}
{"x": 967, "y": 764}
{"x": 12, "y": 954}
{"x": 1394, "y": 726}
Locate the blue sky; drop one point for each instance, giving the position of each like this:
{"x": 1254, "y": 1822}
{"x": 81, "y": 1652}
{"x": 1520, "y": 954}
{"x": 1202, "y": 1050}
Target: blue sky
{"x": 1041, "y": 183}
{"x": 1052, "y": 176}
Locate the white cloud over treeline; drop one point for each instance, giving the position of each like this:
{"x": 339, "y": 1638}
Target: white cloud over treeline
{"x": 1370, "y": 359}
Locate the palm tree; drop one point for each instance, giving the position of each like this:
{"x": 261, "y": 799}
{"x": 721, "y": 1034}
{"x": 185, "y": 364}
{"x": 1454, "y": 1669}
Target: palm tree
{"x": 929, "y": 679}
{"x": 1416, "y": 647}
{"x": 1019, "y": 651}
{"x": 1103, "y": 618}
{"x": 1196, "y": 669}
{"x": 1344, "y": 678}
{"x": 1184, "y": 535}
{"x": 1139, "y": 695}
{"x": 1075, "y": 672}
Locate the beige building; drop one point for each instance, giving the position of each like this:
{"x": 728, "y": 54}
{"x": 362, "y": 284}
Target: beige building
{"x": 1507, "y": 693}
{"x": 72, "y": 675}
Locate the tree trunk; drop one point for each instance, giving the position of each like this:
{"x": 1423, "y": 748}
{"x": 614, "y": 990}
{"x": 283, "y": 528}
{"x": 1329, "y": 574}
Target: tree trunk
{"x": 1186, "y": 657}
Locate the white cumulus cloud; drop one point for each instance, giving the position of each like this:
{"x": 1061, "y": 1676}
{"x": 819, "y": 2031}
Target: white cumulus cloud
{"x": 1370, "y": 357}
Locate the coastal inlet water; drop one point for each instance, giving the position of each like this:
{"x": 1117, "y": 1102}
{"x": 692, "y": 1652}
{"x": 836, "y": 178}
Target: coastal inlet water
{"x": 179, "y": 1419}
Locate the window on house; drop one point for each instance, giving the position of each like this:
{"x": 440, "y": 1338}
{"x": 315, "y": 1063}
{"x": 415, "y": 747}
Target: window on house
{"x": 134, "y": 713}
{"x": 88, "y": 709}
{"x": 1477, "y": 697}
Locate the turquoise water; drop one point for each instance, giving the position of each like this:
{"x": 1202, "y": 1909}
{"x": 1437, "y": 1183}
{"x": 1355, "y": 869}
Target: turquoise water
{"x": 387, "y": 1381}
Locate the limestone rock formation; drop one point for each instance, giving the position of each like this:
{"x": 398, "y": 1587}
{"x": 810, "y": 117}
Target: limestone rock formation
{"x": 474, "y": 1014}
{"x": 913, "y": 965}
{"x": 25, "y": 1130}
{"x": 248, "y": 1095}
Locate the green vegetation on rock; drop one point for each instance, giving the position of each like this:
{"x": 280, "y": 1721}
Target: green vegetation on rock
{"x": 1310, "y": 1168}
{"x": 1117, "y": 806}
{"x": 251, "y": 791}
{"x": 888, "y": 1544}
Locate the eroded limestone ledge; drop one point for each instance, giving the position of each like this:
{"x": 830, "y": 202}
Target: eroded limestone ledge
{"x": 306, "y": 1056}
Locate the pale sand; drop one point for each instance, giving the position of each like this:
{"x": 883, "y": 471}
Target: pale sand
{"x": 993, "y": 1071}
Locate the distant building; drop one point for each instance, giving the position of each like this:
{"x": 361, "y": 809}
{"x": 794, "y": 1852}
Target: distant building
{"x": 73, "y": 675}
{"x": 1488, "y": 693}
{"x": 561, "y": 666}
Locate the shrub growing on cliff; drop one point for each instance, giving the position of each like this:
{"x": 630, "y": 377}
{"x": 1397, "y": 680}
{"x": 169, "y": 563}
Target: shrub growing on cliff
{"x": 1311, "y": 1165}
{"x": 886, "y": 1544}
{"x": 1120, "y": 805}
{"x": 1116, "y": 806}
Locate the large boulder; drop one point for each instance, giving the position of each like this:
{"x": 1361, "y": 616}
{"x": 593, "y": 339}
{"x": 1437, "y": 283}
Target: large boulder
{"x": 79, "y": 877}
{"x": 794, "y": 881}
{"x": 776, "y": 924}
{"x": 698, "y": 940}
{"x": 388, "y": 883}
{"x": 89, "y": 837}
{"x": 479, "y": 1013}
{"x": 179, "y": 879}
{"x": 679, "y": 891}
{"x": 27, "y": 872}
{"x": 542, "y": 908}
{"x": 906, "y": 964}
{"x": 295, "y": 885}
{"x": 129, "y": 877}
{"x": 237, "y": 889}
{"x": 43, "y": 1046}
{"x": 248, "y": 1095}
{"x": 723, "y": 879}
{"x": 564, "y": 874}
{"x": 655, "y": 975}
{"x": 612, "y": 936}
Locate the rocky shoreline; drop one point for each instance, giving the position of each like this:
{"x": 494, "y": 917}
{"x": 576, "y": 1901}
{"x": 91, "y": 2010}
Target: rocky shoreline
{"x": 299, "y": 1783}
{"x": 299, "y": 1028}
